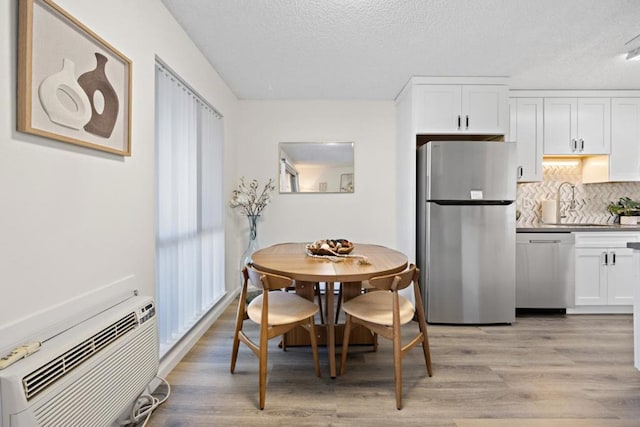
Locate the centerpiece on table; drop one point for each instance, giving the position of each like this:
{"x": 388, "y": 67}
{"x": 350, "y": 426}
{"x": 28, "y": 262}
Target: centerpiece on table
{"x": 330, "y": 247}
{"x": 627, "y": 211}
{"x": 334, "y": 250}
{"x": 251, "y": 202}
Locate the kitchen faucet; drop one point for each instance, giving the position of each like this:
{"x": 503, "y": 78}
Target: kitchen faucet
{"x": 572, "y": 205}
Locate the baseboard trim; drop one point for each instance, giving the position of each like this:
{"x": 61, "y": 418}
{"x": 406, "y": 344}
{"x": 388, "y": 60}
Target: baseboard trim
{"x": 601, "y": 309}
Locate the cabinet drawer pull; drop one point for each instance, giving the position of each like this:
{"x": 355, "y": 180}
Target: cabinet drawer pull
{"x": 544, "y": 241}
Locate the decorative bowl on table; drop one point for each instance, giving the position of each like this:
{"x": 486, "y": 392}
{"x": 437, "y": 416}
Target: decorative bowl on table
{"x": 330, "y": 247}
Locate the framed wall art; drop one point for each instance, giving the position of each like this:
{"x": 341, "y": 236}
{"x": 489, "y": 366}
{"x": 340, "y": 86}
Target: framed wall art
{"x": 346, "y": 183}
{"x": 72, "y": 85}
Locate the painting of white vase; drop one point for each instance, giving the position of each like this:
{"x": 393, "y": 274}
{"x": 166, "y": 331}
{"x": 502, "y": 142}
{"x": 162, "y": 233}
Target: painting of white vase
{"x": 63, "y": 99}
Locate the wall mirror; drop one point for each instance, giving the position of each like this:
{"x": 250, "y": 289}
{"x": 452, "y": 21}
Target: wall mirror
{"x": 316, "y": 167}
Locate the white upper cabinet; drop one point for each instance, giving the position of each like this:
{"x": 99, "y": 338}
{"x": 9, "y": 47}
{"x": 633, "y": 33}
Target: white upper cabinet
{"x": 624, "y": 161}
{"x": 526, "y": 129}
{"x": 438, "y": 107}
{"x": 577, "y": 126}
{"x": 461, "y": 109}
{"x": 484, "y": 109}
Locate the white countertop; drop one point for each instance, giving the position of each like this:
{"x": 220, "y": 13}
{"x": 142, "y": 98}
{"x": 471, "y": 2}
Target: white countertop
{"x": 569, "y": 228}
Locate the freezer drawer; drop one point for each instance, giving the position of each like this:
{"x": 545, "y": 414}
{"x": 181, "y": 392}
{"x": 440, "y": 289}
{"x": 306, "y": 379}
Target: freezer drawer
{"x": 471, "y": 264}
{"x": 545, "y": 270}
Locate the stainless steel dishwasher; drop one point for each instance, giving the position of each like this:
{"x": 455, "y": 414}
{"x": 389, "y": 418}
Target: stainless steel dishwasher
{"x": 545, "y": 276}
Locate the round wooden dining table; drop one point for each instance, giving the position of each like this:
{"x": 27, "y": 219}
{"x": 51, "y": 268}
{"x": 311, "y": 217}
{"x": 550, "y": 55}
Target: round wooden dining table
{"x": 292, "y": 260}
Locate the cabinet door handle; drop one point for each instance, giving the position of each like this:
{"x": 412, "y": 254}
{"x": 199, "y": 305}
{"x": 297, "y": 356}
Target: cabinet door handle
{"x": 459, "y": 122}
{"x": 520, "y": 172}
{"x": 613, "y": 258}
{"x": 581, "y": 144}
{"x": 573, "y": 144}
{"x": 606, "y": 259}
{"x": 467, "y": 122}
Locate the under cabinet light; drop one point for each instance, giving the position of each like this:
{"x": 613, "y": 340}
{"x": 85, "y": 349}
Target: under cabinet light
{"x": 561, "y": 162}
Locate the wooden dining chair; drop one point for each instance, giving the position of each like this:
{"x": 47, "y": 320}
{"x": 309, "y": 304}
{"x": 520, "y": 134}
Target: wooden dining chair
{"x": 383, "y": 311}
{"x": 276, "y": 312}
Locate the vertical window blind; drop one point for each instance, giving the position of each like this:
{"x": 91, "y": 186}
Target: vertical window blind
{"x": 189, "y": 207}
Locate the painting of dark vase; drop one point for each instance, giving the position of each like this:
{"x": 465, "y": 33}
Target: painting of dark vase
{"x": 103, "y": 120}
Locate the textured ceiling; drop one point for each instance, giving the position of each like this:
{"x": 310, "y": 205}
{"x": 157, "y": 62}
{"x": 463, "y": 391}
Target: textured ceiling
{"x": 368, "y": 49}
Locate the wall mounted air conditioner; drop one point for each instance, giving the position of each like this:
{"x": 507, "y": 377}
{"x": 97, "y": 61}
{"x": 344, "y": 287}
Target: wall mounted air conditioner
{"x": 88, "y": 374}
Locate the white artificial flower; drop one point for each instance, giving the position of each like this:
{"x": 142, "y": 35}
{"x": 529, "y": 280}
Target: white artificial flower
{"x": 246, "y": 197}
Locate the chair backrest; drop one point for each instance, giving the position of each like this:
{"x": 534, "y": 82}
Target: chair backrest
{"x": 263, "y": 280}
{"x": 396, "y": 281}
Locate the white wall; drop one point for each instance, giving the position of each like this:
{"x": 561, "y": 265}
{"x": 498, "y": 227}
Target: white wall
{"x": 74, "y": 219}
{"x": 366, "y": 216}
{"x": 312, "y": 175}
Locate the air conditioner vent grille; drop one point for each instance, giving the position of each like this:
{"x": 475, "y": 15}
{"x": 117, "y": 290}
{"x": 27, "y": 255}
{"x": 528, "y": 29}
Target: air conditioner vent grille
{"x": 47, "y": 374}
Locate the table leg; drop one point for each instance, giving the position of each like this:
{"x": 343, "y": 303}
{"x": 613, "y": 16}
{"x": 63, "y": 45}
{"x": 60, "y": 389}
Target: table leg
{"x": 305, "y": 289}
{"x": 331, "y": 332}
{"x": 351, "y": 290}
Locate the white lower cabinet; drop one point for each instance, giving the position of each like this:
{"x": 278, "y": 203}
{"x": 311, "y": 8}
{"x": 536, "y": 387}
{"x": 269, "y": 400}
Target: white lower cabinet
{"x": 605, "y": 269}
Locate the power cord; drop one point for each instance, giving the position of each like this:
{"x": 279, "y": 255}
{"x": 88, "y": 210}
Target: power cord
{"x": 146, "y": 404}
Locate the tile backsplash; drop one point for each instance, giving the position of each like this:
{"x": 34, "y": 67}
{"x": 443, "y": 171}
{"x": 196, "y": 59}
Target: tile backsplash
{"x": 591, "y": 200}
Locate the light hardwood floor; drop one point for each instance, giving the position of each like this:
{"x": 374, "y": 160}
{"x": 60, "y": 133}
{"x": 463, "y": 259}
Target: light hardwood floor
{"x": 541, "y": 371}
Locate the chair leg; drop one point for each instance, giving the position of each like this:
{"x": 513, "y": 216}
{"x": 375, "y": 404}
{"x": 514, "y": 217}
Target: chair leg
{"x": 236, "y": 340}
{"x": 427, "y": 355}
{"x": 263, "y": 364}
{"x": 397, "y": 364}
{"x": 314, "y": 344}
{"x": 345, "y": 344}
{"x": 425, "y": 342}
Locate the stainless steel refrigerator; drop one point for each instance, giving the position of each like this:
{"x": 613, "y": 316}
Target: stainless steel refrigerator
{"x": 466, "y": 230}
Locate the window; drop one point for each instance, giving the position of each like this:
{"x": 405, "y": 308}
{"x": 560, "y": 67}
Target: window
{"x": 189, "y": 207}
{"x": 288, "y": 177}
